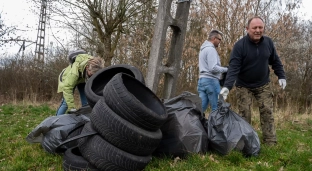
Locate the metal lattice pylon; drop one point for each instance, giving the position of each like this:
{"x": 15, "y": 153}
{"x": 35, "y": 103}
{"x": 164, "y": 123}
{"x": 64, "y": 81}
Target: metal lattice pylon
{"x": 39, "y": 51}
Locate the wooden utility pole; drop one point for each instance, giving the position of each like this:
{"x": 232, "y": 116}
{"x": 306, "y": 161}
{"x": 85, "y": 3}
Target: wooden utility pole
{"x": 172, "y": 68}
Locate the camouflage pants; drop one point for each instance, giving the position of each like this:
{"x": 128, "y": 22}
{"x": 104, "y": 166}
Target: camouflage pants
{"x": 264, "y": 98}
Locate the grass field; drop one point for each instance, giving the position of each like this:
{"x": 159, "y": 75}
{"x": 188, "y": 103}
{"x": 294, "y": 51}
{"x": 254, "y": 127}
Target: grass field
{"x": 292, "y": 153}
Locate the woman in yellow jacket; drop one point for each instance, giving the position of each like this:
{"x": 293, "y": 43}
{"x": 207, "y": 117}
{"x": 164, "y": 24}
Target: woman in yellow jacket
{"x": 76, "y": 75}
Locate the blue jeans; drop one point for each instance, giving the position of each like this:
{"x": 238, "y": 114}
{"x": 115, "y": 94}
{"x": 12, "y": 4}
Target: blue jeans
{"x": 63, "y": 107}
{"x": 208, "y": 90}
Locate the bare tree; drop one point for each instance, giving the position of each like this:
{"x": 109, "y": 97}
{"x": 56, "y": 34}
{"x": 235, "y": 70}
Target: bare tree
{"x": 295, "y": 50}
{"x": 100, "y": 23}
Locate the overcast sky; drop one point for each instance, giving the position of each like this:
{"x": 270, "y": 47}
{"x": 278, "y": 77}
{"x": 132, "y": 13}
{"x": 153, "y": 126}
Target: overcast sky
{"x": 17, "y": 12}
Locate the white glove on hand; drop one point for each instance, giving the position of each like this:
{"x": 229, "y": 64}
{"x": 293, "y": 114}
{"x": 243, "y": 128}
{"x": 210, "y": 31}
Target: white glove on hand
{"x": 72, "y": 111}
{"x": 282, "y": 83}
{"x": 224, "y": 92}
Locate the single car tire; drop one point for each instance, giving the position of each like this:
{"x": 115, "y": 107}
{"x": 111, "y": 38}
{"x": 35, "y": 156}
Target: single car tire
{"x": 96, "y": 83}
{"x": 73, "y": 161}
{"x": 107, "y": 157}
{"x": 134, "y": 102}
{"x": 123, "y": 134}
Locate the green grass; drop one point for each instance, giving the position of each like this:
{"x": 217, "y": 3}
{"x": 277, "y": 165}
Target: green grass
{"x": 293, "y": 152}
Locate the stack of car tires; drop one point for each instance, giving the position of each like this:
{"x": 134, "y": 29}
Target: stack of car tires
{"x": 127, "y": 116}
{"x": 95, "y": 85}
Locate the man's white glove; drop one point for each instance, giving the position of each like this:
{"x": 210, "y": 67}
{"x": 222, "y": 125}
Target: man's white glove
{"x": 72, "y": 111}
{"x": 224, "y": 92}
{"x": 282, "y": 83}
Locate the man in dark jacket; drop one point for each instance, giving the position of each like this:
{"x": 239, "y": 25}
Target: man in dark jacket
{"x": 249, "y": 70}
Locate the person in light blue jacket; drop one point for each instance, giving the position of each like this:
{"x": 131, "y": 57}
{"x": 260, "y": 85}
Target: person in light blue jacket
{"x": 210, "y": 71}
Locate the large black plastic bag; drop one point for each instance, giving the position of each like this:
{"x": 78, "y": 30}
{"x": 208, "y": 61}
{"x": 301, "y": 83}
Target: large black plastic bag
{"x": 227, "y": 131}
{"x": 183, "y": 132}
{"x": 52, "y": 131}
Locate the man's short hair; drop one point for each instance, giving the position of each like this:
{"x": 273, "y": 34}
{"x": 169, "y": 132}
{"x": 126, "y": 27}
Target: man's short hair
{"x": 214, "y": 33}
{"x": 249, "y": 21}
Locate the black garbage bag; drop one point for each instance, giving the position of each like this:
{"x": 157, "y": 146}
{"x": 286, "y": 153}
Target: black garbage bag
{"x": 52, "y": 131}
{"x": 183, "y": 132}
{"x": 227, "y": 131}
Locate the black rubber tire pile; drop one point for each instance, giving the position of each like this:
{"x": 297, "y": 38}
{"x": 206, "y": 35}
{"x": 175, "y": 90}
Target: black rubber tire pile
{"x": 127, "y": 116}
